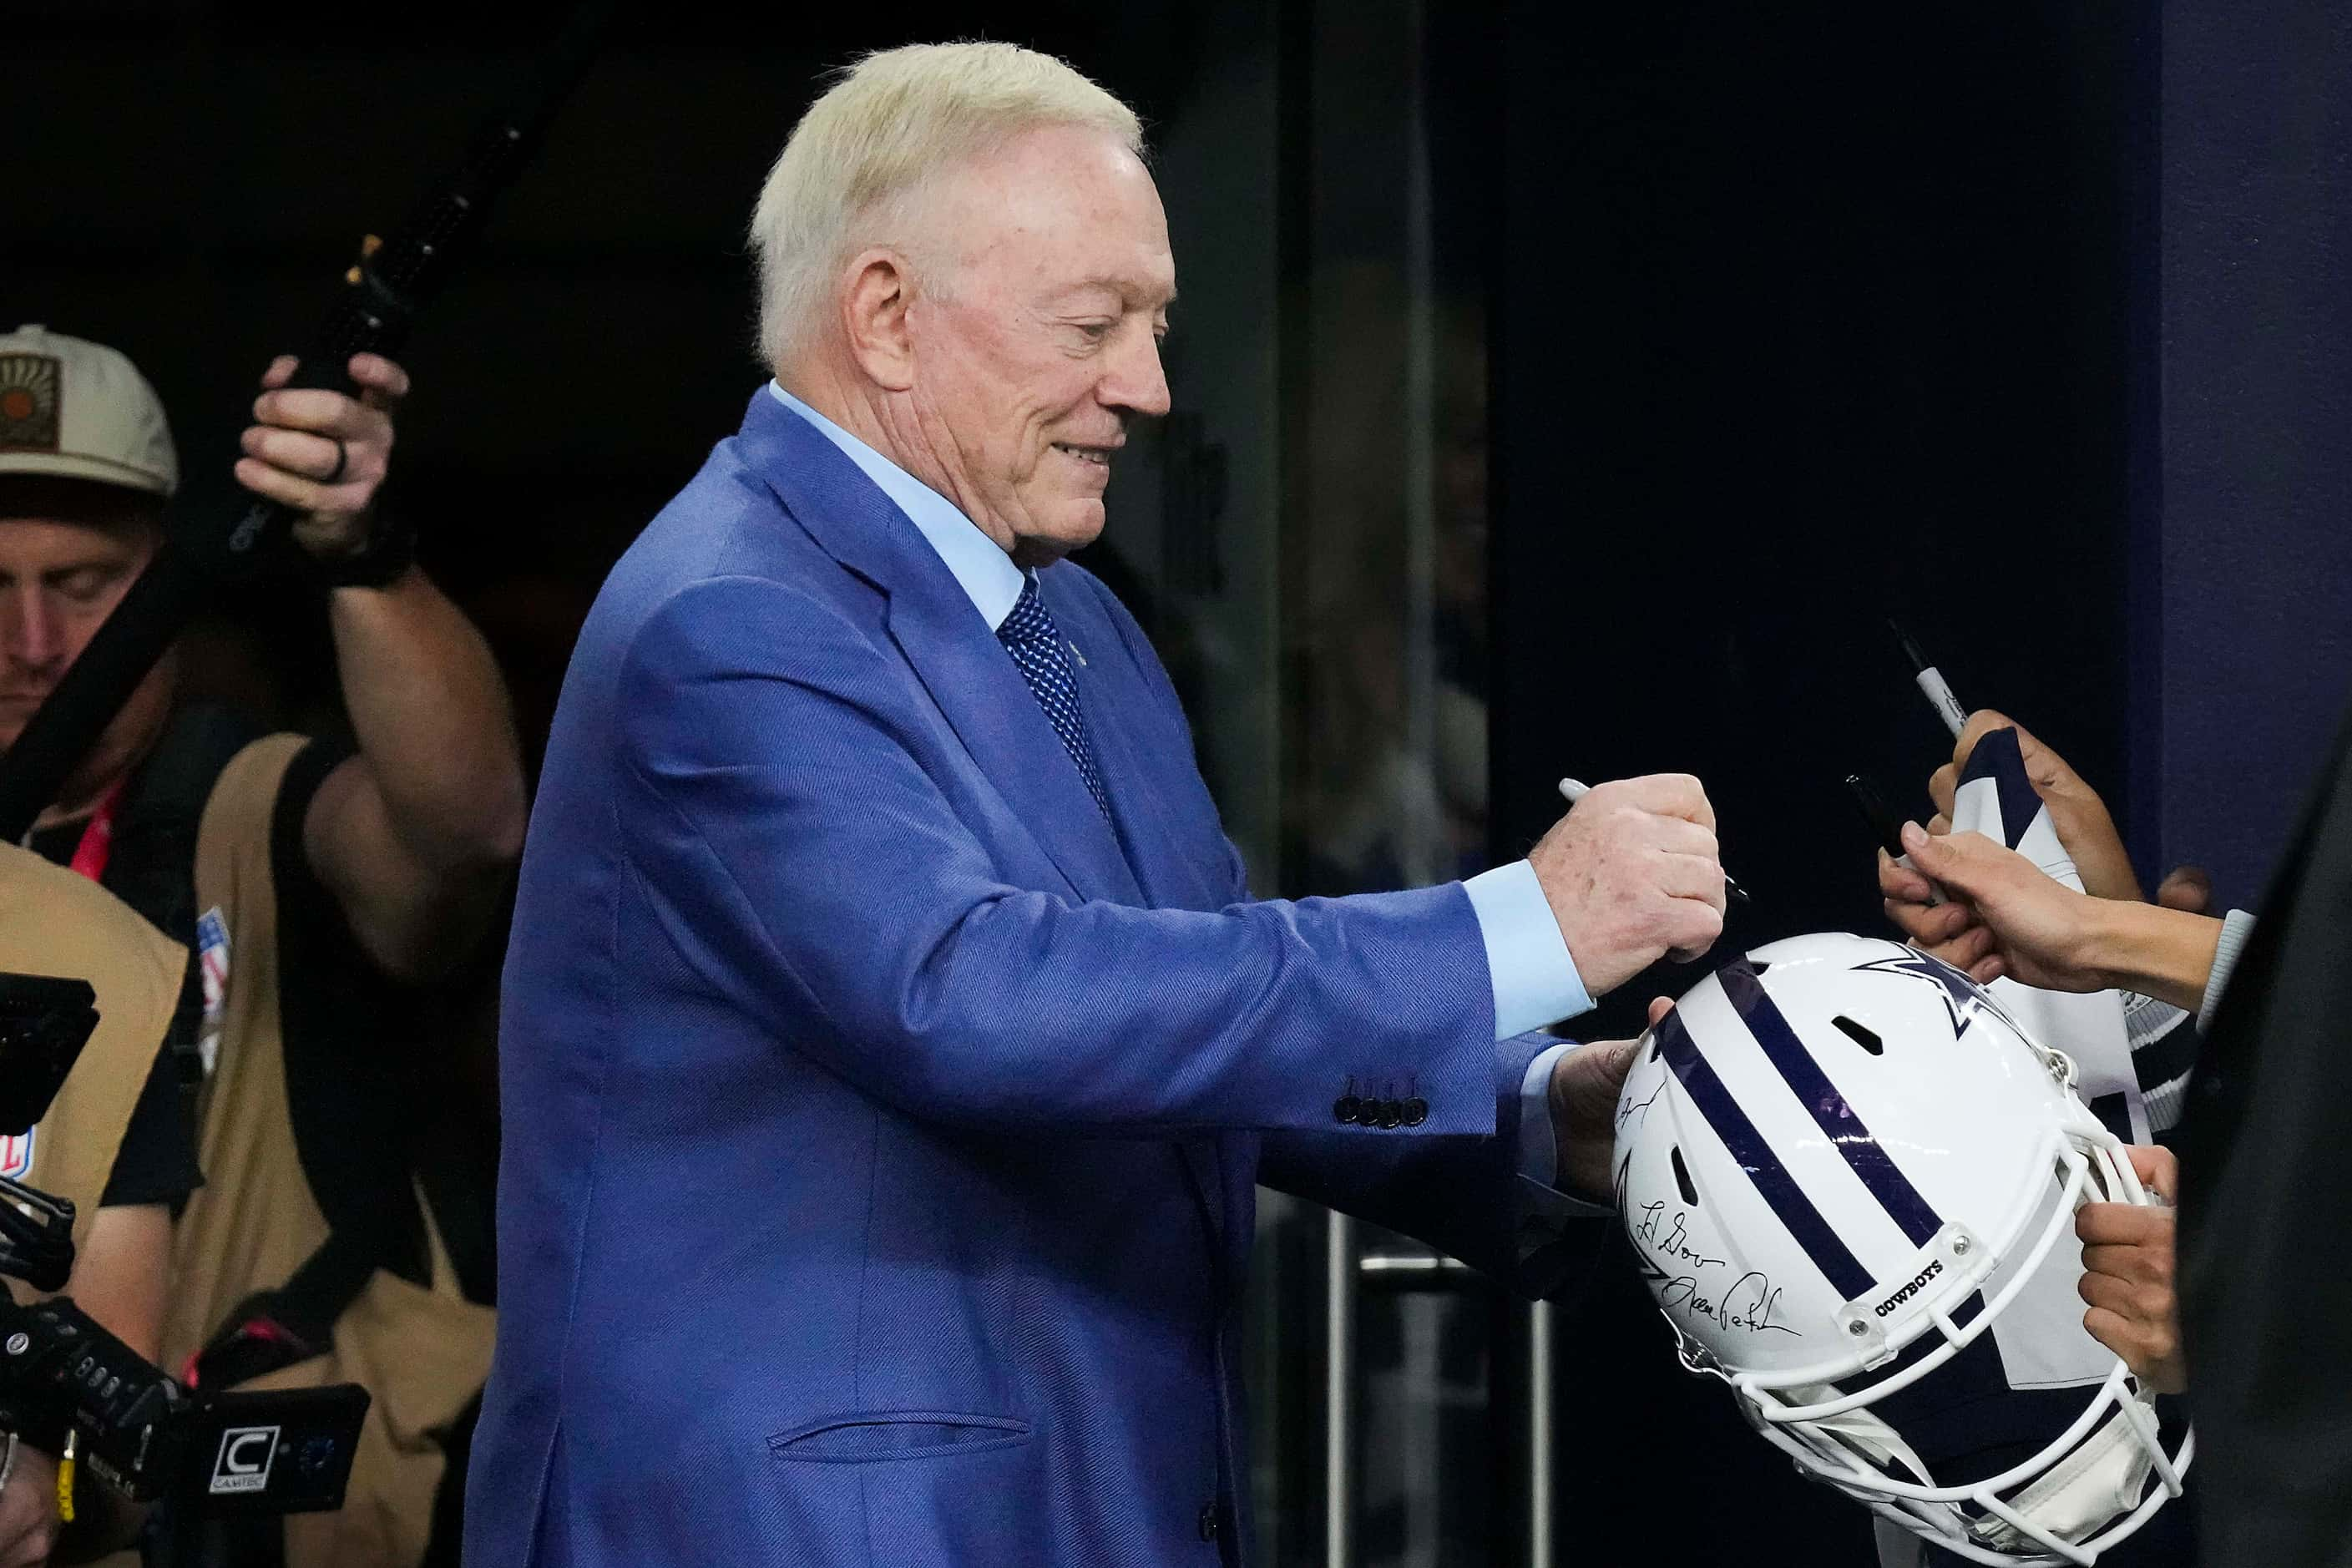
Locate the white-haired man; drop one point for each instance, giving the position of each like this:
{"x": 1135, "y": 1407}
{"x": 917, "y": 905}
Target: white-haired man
{"x": 890, "y": 1042}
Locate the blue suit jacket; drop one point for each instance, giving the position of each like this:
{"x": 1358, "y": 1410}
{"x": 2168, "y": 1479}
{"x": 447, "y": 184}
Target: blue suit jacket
{"x": 880, "y": 1126}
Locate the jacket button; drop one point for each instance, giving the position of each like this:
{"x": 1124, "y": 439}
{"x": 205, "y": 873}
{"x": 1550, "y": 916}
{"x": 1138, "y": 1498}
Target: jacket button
{"x": 1208, "y": 1521}
{"x": 1416, "y": 1112}
{"x": 1346, "y": 1108}
{"x": 1391, "y": 1112}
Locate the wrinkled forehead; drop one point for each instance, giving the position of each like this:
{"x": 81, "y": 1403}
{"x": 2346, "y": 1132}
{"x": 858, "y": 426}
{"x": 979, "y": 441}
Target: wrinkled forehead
{"x": 1058, "y": 209}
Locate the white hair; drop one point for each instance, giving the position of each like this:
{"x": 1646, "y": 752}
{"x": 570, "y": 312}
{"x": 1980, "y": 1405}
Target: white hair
{"x": 891, "y": 123}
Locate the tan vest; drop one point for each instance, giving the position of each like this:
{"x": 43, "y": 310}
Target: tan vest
{"x": 423, "y": 1352}
{"x": 54, "y": 921}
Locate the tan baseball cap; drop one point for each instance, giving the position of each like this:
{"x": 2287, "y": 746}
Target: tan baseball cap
{"x": 79, "y": 409}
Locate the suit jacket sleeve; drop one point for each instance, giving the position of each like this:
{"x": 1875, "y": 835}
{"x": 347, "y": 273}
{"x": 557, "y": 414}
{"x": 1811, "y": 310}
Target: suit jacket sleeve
{"x": 1466, "y": 1197}
{"x": 779, "y": 819}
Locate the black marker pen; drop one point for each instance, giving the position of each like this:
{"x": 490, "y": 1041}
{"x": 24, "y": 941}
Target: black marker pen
{"x": 1883, "y": 825}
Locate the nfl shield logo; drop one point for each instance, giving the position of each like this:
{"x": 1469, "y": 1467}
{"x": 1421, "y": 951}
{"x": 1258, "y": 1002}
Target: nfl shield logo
{"x": 212, "y": 964}
{"x": 17, "y": 1153}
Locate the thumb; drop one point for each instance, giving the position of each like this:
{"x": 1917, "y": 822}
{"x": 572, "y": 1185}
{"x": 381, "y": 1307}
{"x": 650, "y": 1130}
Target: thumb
{"x": 1601, "y": 1068}
{"x": 2156, "y": 1169}
{"x": 1924, "y": 848}
{"x": 1950, "y": 858}
{"x": 1613, "y": 1058}
{"x": 1659, "y": 1007}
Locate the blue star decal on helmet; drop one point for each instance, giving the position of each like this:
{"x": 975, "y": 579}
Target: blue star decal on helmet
{"x": 1962, "y": 996}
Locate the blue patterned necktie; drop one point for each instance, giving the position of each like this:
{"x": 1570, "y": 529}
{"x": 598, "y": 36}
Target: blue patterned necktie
{"x": 1036, "y": 643}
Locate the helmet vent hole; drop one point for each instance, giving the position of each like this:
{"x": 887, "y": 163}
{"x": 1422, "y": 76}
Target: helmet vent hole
{"x": 1682, "y": 1176}
{"x": 1860, "y": 1035}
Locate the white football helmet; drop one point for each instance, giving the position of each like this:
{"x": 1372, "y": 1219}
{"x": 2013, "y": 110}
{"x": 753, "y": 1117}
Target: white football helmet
{"x": 1841, "y": 1165}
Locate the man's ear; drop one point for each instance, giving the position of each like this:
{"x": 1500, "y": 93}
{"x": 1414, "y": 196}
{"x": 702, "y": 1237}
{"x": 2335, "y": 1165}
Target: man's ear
{"x": 874, "y": 317}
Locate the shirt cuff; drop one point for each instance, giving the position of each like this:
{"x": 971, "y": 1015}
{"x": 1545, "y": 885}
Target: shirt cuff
{"x": 2236, "y": 927}
{"x": 1528, "y": 960}
{"x": 1538, "y": 1150}
{"x": 1543, "y": 1206}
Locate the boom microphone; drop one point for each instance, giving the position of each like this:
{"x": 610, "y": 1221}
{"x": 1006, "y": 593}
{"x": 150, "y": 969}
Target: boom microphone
{"x": 381, "y": 296}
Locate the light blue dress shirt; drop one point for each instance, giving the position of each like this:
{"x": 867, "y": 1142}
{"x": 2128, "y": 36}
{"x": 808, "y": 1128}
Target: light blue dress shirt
{"x": 1528, "y": 961}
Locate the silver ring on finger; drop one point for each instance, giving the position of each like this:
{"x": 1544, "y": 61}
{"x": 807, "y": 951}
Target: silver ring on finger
{"x": 342, "y": 459}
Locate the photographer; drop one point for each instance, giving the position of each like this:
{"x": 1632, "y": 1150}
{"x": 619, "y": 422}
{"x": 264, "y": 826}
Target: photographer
{"x": 310, "y": 878}
{"x": 114, "y": 1141}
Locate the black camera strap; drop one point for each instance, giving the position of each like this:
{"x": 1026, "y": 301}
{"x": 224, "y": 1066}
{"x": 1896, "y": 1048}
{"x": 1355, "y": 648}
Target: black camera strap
{"x": 271, "y": 1330}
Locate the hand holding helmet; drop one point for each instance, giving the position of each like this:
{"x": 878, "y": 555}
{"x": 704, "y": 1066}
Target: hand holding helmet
{"x": 1583, "y": 1094}
{"x": 1848, "y": 1178}
{"x": 2128, "y": 1258}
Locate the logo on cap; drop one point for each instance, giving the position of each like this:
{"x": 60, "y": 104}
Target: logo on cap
{"x": 28, "y": 400}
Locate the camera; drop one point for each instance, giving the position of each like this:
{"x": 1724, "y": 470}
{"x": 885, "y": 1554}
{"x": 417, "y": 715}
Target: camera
{"x": 136, "y": 1427}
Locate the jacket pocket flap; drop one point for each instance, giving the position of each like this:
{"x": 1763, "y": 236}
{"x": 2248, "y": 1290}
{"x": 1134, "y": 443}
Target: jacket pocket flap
{"x": 895, "y": 1435}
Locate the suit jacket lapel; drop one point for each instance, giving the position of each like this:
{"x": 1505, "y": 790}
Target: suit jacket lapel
{"x": 952, "y": 648}
{"x": 1112, "y": 694}
{"x": 994, "y": 713}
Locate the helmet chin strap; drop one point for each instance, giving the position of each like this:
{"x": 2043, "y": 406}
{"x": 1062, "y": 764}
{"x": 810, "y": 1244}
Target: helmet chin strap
{"x": 2100, "y": 1480}
{"x": 2083, "y": 1492}
{"x": 1871, "y": 1436}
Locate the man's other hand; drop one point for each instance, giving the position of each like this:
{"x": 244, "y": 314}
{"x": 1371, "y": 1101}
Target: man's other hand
{"x": 2128, "y": 1276}
{"x": 292, "y": 453}
{"x": 1631, "y": 875}
{"x": 1585, "y": 1084}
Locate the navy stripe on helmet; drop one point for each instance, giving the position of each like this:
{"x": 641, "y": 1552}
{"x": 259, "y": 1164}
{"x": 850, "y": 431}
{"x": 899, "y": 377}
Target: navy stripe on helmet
{"x": 1827, "y": 1105}
{"x": 1773, "y": 1183}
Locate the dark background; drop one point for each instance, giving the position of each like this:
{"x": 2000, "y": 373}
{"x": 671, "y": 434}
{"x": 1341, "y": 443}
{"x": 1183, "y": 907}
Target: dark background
{"x": 191, "y": 178}
{"x": 2027, "y": 323}
{"x": 1804, "y": 323}
{"x": 1796, "y": 340}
